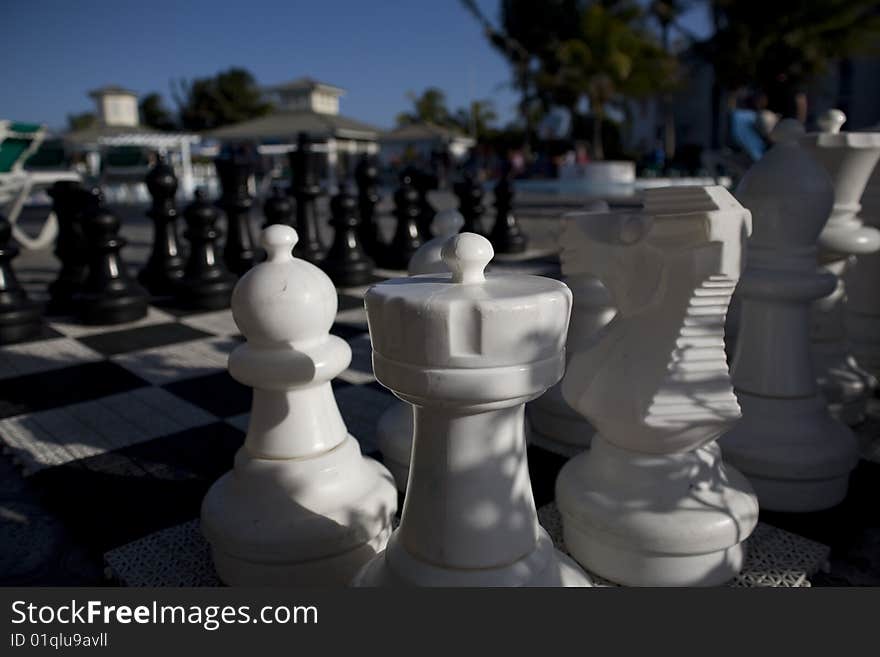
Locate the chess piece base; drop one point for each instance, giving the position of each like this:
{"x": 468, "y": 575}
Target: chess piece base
{"x": 843, "y": 382}
{"x": 656, "y": 520}
{"x": 206, "y": 295}
{"x": 544, "y": 567}
{"x": 20, "y": 323}
{"x": 349, "y": 274}
{"x": 97, "y": 310}
{"x": 394, "y": 434}
{"x": 555, "y": 426}
{"x": 298, "y": 522}
{"x": 797, "y": 457}
{"x": 864, "y": 335}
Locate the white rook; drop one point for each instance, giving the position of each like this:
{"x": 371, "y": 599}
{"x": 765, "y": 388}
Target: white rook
{"x": 651, "y": 503}
{"x": 467, "y": 351}
{"x": 302, "y": 506}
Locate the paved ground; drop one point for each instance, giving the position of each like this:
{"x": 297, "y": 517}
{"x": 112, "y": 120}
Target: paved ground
{"x": 35, "y": 549}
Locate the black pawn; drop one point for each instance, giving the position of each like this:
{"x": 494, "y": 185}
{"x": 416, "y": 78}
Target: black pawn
{"x": 470, "y": 204}
{"x": 19, "y": 316}
{"x": 69, "y": 201}
{"x": 346, "y": 263}
{"x": 366, "y": 175}
{"x": 235, "y": 166}
{"x": 164, "y": 267}
{"x": 206, "y": 283}
{"x": 109, "y": 295}
{"x": 407, "y": 238}
{"x": 506, "y": 235}
{"x": 278, "y": 209}
{"x": 306, "y": 191}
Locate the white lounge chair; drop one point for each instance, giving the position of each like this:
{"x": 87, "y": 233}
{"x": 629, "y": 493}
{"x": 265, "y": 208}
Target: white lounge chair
{"x": 18, "y": 142}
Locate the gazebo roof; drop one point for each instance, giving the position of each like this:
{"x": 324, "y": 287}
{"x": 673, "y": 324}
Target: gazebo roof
{"x": 122, "y": 135}
{"x": 305, "y": 83}
{"x": 285, "y": 125}
{"x": 423, "y": 131}
{"x": 111, "y": 89}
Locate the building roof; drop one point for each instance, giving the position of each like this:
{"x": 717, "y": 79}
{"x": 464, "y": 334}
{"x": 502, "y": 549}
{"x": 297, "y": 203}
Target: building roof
{"x": 94, "y": 133}
{"x": 111, "y": 89}
{"x": 423, "y": 132}
{"x": 285, "y": 125}
{"x": 306, "y": 84}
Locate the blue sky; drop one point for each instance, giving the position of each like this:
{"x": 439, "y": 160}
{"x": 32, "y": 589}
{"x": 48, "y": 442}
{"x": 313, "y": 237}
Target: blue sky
{"x": 55, "y": 51}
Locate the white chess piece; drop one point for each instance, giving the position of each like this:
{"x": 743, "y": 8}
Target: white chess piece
{"x": 553, "y": 423}
{"x": 651, "y": 503}
{"x": 797, "y": 457}
{"x": 863, "y": 289}
{"x": 302, "y": 506}
{"x": 467, "y": 351}
{"x": 395, "y": 428}
{"x": 849, "y": 158}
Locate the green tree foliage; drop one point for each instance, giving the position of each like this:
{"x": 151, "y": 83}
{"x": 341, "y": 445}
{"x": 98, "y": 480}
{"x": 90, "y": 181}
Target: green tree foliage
{"x": 477, "y": 119}
{"x": 611, "y": 58}
{"x": 154, "y": 113}
{"x": 564, "y": 50}
{"x": 783, "y": 45}
{"x": 427, "y": 107}
{"x": 81, "y": 121}
{"x": 231, "y": 96}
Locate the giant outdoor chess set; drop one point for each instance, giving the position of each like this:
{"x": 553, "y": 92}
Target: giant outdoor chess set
{"x": 125, "y": 428}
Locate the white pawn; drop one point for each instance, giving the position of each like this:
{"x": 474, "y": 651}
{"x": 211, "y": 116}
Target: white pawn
{"x": 553, "y": 423}
{"x": 797, "y": 457}
{"x": 467, "y": 351}
{"x": 395, "y": 428}
{"x": 651, "y": 503}
{"x": 849, "y": 158}
{"x": 302, "y": 506}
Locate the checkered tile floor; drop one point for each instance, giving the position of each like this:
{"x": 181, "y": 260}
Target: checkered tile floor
{"x": 123, "y": 429}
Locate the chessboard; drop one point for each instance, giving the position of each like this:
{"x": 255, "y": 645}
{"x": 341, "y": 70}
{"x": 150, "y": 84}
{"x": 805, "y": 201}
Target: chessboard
{"x": 122, "y": 429}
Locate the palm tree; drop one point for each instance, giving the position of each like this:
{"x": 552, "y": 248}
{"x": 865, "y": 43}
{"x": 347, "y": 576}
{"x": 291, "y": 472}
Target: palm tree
{"x": 611, "y": 58}
{"x": 428, "y": 107}
{"x": 477, "y": 118}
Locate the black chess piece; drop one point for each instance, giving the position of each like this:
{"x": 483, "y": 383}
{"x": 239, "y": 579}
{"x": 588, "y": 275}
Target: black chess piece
{"x": 108, "y": 295}
{"x": 506, "y": 234}
{"x": 19, "y": 316}
{"x": 278, "y": 208}
{"x": 206, "y": 283}
{"x": 424, "y": 183}
{"x": 407, "y": 238}
{"x": 235, "y": 165}
{"x": 470, "y": 204}
{"x": 164, "y": 267}
{"x": 69, "y": 200}
{"x": 346, "y": 263}
{"x": 306, "y": 190}
{"x": 366, "y": 175}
